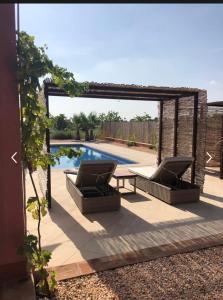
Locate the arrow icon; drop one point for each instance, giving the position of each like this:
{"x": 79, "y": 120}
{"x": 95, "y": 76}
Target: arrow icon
{"x": 210, "y": 157}
{"x": 12, "y": 157}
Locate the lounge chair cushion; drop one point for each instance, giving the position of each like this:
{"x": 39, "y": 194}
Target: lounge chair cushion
{"x": 145, "y": 172}
{"x": 168, "y": 172}
{"x": 69, "y": 171}
{"x": 72, "y": 177}
{"x": 95, "y": 172}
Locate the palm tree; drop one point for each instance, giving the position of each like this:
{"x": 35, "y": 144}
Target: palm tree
{"x": 76, "y": 120}
{"x": 93, "y": 123}
{"x": 84, "y": 125}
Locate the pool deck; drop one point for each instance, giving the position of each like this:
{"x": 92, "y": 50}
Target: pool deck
{"x": 143, "y": 228}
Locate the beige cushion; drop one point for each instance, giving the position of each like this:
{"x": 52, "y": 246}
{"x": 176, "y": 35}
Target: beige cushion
{"x": 146, "y": 172}
{"x": 168, "y": 172}
{"x": 72, "y": 177}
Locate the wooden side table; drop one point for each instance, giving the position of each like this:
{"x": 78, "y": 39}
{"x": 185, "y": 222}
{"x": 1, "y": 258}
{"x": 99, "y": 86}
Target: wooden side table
{"x": 122, "y": 175}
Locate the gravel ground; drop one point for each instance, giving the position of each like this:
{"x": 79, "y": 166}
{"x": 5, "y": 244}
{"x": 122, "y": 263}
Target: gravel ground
{"x": 195, "y": 275}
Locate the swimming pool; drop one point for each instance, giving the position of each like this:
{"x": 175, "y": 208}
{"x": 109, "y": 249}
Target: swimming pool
{"x": 88, "y": 154}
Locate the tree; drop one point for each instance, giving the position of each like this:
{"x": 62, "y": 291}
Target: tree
{"x": 76, "y": 122}
{"x": 61, "y": 122}
{"x": 111, "y": 116}
{"x": 143, "y": 118}
{"x": 93, "y": 123}
{"x": 84, "y": 125}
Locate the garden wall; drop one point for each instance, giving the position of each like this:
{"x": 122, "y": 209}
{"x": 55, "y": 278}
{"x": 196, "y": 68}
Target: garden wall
{"x": 185, "y": 132}
{"x": 143, "y": 132}
{"x": 214, "y": 140}
{"x": 13, "y": 228}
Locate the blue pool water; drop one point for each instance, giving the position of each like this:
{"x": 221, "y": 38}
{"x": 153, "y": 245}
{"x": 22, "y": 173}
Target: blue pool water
{"x": 88, "y": 154}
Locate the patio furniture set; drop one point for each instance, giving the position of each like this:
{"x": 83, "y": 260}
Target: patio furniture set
{"x": 90, "y": 189}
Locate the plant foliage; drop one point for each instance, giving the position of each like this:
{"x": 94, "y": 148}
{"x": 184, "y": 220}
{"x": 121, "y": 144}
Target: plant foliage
{"x": 33, "y": 66}
{"x": 143, "y": 118}
{"x": 111, "y": 116}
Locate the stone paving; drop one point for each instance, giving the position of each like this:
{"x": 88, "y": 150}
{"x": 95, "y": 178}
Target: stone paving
{"x": 142, "y": 222}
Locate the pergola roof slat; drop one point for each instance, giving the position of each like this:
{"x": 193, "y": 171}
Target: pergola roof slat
{"x": 216, "y": 103}
{"x": 125, "y": 92}
{"x": 131, "y": 93}
{"x": 139, "y": 88}
{"x": 126, "y": 97}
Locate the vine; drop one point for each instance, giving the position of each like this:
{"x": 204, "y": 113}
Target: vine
{"x": 34, "y": 65}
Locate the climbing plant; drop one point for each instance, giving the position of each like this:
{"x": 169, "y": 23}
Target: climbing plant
{"x": 33, "y": 66}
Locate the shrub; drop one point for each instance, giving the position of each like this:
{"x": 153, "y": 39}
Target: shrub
{"x": 61, "y": 134}
{"x": 131, "y": 143}
{"x": 152, "y": 147}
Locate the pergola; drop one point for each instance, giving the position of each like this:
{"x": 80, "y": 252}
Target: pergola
{"x": 216, "y": 103}
{"x": 219, "y": 104}
{"x": 136, "y": 93}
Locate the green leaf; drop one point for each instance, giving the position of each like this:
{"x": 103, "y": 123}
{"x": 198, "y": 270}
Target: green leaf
{"x": 43, "y": 211}
{"x": 35, "y": 215}
{"x": 31, "y": 206}
{"x": 35, "y": 65}
{"x": 52, "y": 281}
{"x": 46, "y": 255}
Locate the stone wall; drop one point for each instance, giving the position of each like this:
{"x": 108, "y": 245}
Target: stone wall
{"x": 214, "y": 140}
{"x": 185, "y": 132}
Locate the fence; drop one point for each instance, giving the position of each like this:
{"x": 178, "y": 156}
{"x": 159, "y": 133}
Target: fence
{"x": 214, "y": 135}
{"x": 144, "y": 132}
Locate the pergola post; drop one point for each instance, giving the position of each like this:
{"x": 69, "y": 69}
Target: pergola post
{"x": 176, "y": 109}
{"x": 160, "y": 132}
{"x": 48, "y": 191}
{"x": 194, "y": 138}
{"x": 221, "y": 150}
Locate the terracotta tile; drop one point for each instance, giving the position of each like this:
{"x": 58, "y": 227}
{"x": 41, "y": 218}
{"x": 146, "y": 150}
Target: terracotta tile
{"x": 86, "y": 267}
{"x": 114, "y": 261}
{"x": 67, "y": 271}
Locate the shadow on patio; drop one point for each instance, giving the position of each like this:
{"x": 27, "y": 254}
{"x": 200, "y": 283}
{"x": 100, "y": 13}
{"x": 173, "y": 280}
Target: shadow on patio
{"x": 123, "y": 231}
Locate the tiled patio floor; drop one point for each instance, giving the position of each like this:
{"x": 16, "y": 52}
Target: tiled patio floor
{"x": 142, "y": 222}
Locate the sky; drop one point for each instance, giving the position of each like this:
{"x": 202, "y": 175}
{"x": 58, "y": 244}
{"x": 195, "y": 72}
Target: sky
{"x": 176, "y": 45}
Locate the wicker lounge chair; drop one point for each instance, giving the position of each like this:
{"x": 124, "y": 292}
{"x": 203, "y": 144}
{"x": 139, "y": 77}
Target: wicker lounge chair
{"x": 89, "y": 186}
{"x": 165, "y": 182}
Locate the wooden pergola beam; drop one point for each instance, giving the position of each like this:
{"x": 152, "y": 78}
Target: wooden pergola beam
{"x": 138, "y": 88}
{"x": 126, "y": 97}
{"x": 215, "y": 103}
{"x": 118, "y": 94}
{"x": 127, "y": 90}
{"x": 132, "y": 93}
